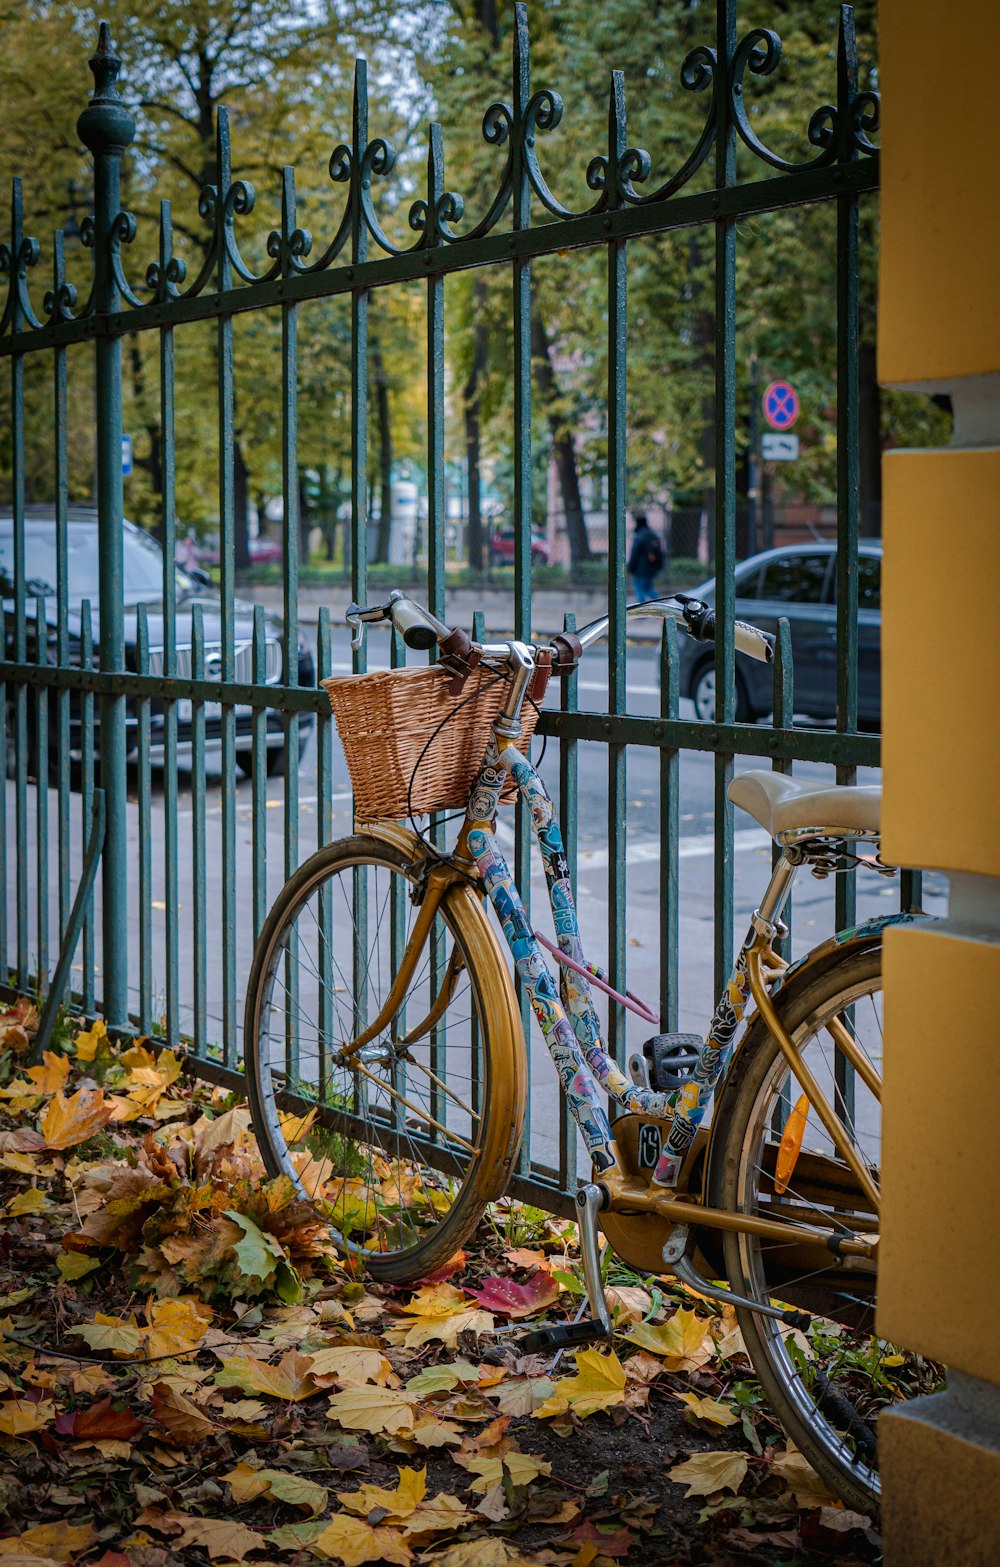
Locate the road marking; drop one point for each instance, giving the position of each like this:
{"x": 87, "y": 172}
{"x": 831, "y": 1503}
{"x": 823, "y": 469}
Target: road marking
{"x": 647, "y": 850}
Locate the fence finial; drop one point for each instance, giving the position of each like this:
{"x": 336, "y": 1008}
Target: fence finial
{"x": 105, "y": 125}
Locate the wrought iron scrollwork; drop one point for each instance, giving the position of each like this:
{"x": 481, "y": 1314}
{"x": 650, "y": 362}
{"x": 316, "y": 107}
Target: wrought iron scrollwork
{"x": 619, "y": 177}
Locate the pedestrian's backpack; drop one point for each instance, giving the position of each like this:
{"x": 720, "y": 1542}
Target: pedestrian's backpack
{"x": 654, "y": 554}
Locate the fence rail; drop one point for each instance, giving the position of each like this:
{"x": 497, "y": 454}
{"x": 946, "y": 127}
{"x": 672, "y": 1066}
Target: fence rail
{"x": 180, "y": 975}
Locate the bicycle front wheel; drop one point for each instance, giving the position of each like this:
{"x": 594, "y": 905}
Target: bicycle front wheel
{"x": 403, "y": 1142}
{"x": 826, "y": 1387}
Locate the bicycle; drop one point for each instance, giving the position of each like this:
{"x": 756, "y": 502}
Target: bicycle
{"x": 381, "y": 1005}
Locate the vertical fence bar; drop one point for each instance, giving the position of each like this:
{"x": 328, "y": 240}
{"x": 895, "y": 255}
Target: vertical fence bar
{"x": 324, "y": 835}
{"x": 227, "y": 564}
{"x": 87, "y": 794}
{"x": 290, "y": 601}
{"x": 569, "y": 796}
{"x": 359, "y": 491}
{"x": 200, "y": 965}
{"x": 670, "y": 812}
{"x": 107, "y": 129}
{"x": 617, "y": 486}
{"x": 62, "y": 697}
{"x": 258, "y": 775}
{"x": 20, "y": 605}
{"x": 168, "y": 529}
{"x": 725, "y": 495}
{"x": 42, "y": 802}
{"x": 784, "y": 708}
{"x": 4, "y": 954}
{"x": 521, "y": 328}
{"x": 848, "y": 438}
{"x": 145, "y": 834}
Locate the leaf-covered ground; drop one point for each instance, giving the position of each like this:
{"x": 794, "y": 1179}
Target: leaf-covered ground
{"x": 190, "y": 1374}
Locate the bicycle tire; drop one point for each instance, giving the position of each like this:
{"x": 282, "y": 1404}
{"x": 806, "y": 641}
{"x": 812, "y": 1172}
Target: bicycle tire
{"x": 436, "y": 1198}
{"x": 838, "y": 1438}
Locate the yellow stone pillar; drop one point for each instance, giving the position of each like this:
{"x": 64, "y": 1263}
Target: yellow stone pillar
{"x": 939, "y": 331}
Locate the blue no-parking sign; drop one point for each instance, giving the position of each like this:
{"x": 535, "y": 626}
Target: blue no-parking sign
{"x": 126, "y": 456}
{"x": 781, "y": 405}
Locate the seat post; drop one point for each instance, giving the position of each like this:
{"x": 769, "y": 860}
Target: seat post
{"x": 777, "y": 890}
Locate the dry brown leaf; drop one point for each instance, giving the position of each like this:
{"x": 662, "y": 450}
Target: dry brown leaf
{"x": 374, "y": 1409}
{"x": 184, "y": 1421}
{"x": 351, "y": 1365}
{"x": 706, "y": 1473}
{"x": 802, "y": 1480}
{"x": 58, "y": 1541}
{"x": 223, "y": 1538}
{"x": 291, "y": 1379}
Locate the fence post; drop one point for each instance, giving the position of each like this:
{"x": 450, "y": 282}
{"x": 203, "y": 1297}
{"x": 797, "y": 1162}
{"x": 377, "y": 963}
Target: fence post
{"x": 106, "y": 128}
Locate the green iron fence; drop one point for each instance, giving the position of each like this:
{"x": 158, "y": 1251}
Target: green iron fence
{"x": 75, "y": 690}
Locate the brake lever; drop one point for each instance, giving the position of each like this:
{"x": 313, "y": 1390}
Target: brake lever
{"x": 355, "y": 617}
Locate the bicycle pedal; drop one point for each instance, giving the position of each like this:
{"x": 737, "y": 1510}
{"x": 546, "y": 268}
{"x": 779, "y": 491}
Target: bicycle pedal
{"x": 562, "y": 1335}
{"x": 670, "y": 1060}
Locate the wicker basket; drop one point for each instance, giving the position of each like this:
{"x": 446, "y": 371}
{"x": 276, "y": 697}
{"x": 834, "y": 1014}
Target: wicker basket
{"x": 385, "y": 720}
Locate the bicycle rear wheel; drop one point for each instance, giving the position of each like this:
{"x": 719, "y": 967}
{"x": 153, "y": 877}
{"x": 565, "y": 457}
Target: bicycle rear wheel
{"x": 826, "y": 1387}
{"x": 407, "y": 1140}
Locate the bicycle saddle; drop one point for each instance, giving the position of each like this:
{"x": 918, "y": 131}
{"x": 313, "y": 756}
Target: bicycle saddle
{"x": 783, "y": 804}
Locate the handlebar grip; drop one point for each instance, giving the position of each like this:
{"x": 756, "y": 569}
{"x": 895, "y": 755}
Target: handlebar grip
{"x": 417, "y": 629}
{"x": 752, "y": 641}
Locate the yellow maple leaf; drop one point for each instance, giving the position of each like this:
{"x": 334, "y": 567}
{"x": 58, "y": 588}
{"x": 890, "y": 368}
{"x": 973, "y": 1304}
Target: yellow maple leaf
{"x": 175, "y": 1326}
{"x": 373, "y": 1409}
{"x": 445, "y": 1328}
{"x": 683, "y": 1340}
{"x": 710, "y": 1409}
{"x": 802, "y": 1480}
{"x": 352, "y": 1541}
{"x": 222, "y": 1538}
{"x": 67, "y": 1122}
{"x": 521, "y": 1467}
{"x": 599, "y": 1383}
{"x": 436, "y": 1300}
{"x": 296, "y": 1128}
{"x": 89, "y": 1040}
{"x": 111, "y": 1333}
{"x": 398, "y": 1504}
{"x": 51, "y": 1075}
{"x": 290, "y": 1380}
{"x": 247, "y": 1483}
{"x": 32, "y": 1201}
{"x": 706, "y": 1473}
{"x": 17, "y": 1416}
{"x": 438, "y": 1515}
{"x": 351, "y": 1365}
{"x": 57, "y": 1542}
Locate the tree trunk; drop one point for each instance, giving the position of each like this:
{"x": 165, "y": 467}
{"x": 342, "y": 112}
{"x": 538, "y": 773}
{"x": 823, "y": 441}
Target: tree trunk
{"x": 870, "y": 446}
{"x": 241, "y": 513}
{"x": 563, "y": 449}
{"x": 472, "y": 425}
{"x": 383, "y": 417}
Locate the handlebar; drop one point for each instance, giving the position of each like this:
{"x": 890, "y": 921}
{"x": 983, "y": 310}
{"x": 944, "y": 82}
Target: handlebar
{"x": 421, "y": 630}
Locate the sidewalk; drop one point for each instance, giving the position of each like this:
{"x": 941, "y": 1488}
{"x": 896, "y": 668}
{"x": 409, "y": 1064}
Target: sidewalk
{"x": 548, "y": 606}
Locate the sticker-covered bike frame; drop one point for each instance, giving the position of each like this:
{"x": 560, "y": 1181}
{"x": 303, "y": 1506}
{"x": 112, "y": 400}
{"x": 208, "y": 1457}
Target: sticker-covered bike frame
{"x": 566, "y": 1013}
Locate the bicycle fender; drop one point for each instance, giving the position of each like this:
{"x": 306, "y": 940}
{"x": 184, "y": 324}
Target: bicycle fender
{"x": 854, "y": 937}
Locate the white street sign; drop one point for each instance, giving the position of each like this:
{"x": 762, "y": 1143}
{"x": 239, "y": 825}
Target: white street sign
{"x": 776, "y": 447}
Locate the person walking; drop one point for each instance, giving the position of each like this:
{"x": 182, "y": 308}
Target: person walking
{"x": 645, "y": 559}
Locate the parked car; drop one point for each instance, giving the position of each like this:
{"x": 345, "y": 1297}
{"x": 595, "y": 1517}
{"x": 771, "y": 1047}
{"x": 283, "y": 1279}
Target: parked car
{"x": 799, "y": 583}
{"x": 143, "y": 584}
{"x": 502, "y": 548}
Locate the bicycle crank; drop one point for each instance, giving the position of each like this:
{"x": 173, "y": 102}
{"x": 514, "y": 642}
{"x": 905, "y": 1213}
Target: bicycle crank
{"x": 565, "y": 1335}
{"x": 681, "y": 1266}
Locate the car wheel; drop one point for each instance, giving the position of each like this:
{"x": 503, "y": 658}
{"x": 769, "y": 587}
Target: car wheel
{"x": 274, "y": 764}
{"x": 703, "y": 695}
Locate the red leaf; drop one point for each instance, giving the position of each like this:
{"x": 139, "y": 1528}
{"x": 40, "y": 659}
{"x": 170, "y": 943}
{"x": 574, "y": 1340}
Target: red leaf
{"x": 517, "y": 1300}
{"x": 112, "y": 1559}
{"x": 446, "y": 1271}
{"x": 609, "y": 1541}
{"x": 99, "y": 1423}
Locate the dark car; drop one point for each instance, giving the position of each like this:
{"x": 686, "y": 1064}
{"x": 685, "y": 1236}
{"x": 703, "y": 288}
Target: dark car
{"x": 798, "y": 583}
{"x": 143, "y": 584}
{"x": 502, "y": 548}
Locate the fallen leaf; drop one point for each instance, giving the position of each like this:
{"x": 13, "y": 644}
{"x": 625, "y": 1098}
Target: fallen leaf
{"x": 373, "y": 1409}
{"x": 67, "y": 1122}
{"x": 683, "y": 1340}
{"x": 352, "y": 1365}
{"x": 599, "y": 1383}
{"x": 705, "y": 1473}
{"x": 33, "y": 1200}
{"x": 710, "y": 1409}
{"x": 290, "y": 1380}
{"x": 395, "y": 1505}
{"x": 628, "y": 1302}
{"x": 18, "y": 1416}
{"x": 802, "y": 1480}
{"x": 99, "y": 1423}
{"x": 445, "y": 1328}
{"x": 517, "y": 1300}
{"x": 602, "y": 1539}
{"x": 522, "y": 1468}
{"x": 247, "y": 1483}
{"x": 184, "y": 1421}
{"x": 222, "y": 1538}
{"x": 436, "y": 1300}
{"x": 76, "y": 1265}
{"x": 109, "y": 1333}
{"x": 58, "y": 1541}
{"x": 176, "y": 1326}
{"x": 352, "y": 1541}
{"x": 88, "y": 1041}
